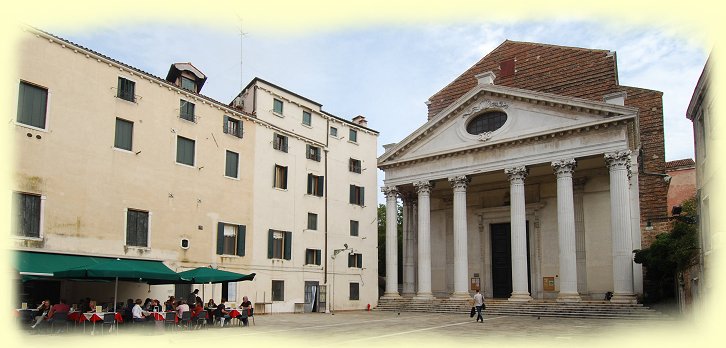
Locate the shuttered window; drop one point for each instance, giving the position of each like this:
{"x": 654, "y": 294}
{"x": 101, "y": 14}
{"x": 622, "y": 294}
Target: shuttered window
{"x": 188, "y": 84}
{"x": 126, "y": 89}
{"x": 354, "y": 165}
{"x": 354, "y": 291}
{"x": 355, "y": 260}
{"x": 137, "y": 228}
{"x": 278, "y": 290}
{"x": 186, "y": 110}
{"x": 184, "y": 151}
{"x": 279, "y": 179}
{"x": 279, "y": 245}
{"x": 316, "y": 185}
{"x": 231, "y": 164}
{"x": 307, "y": 118}
{"x": 279, "y": 142}
{"x": 312, "y": 221}
{"x": 353, "y": 135}
{"x": 231, "y": 239}
{"x": 124, "y": 134}
{"x": 357, "y": 195}
{"x": 232, "y": 126}
{"x": 313, "y": 153}
{"x": 333, "y": 132}
{"x": 277, "y": 106}
{"x": 26, "y": 215}
{"x": 32, "y": 105}
{"x": 354, "y": 228}
{"x": 312, "y": 257}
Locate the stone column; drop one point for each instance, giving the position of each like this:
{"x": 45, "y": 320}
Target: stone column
{"x": 408, "y": 246}
{"x": 461, "y": 260}
{"x": 391, "y": 242}
{"x": 424, "y": 241}
{"x": 520, "y": 289}
{"x": 566, "y": 230}
{"x": 579, "y": 191}
{"x": 619, "y": 165}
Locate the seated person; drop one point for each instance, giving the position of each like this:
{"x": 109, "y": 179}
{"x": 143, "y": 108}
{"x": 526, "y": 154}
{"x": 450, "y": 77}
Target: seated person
{"x": 181, "y": 308}
{"x": 246, "y": 304}
{"x": 91, "y": 306}
{"x": 43, "y": 309}
{"x": 61, "y": 307}
{"x": 198, "y": 307}
{"x": 137, "y": 313}
{"x": 221, "y": 313}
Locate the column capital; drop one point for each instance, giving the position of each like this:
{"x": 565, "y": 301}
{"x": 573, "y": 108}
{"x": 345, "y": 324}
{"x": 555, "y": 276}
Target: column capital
{"x": 407, "y": 197}
{"x": 423, "y": 186}
{"x": 618, "y": 159}
{"x": 578, "y": 184}
{"x": 389, "y": 191}
{"x": 564, "y": 166}
{"x": 516, "y": 173}
{"x": 459, "y": 182}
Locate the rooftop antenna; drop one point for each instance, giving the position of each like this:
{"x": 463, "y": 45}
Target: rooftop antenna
{"x": 242, "y": 35}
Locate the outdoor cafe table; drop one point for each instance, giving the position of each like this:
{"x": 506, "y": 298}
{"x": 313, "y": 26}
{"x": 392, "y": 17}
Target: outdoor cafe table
{"x": 159, "y": 316}
{"x": 92, "y": 317}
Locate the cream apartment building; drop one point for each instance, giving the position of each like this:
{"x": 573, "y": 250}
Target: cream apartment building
{"x": 110, "y": 161}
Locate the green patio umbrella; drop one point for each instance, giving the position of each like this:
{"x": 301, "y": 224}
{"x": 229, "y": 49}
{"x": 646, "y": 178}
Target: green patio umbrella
{"x": 152, "y": 272}
{"x": 210, "y": 275}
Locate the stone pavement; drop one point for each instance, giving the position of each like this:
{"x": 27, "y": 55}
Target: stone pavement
{"x": 374, "y": 329}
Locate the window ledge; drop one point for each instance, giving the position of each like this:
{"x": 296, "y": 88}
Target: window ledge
{"x": 134, "y": 247}
{"x": 122, "y": 150}
{"x": 135, "y": 101}
{"x": 306, "y": 125}
{"x": 232, "y": 178}
{"x": 278, "y": 114}
{"x": 27, "y": 126}
{"x": 37, "y": 239}
{"x": 279, "y": 189}
{"x": 184, "y": 165}
{"x": 353, "y": 142}
{"x": 193, "y": 120}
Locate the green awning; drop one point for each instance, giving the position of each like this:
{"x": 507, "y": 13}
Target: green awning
{"x": 34, "y": 264}
{"x": 210, "y": 275}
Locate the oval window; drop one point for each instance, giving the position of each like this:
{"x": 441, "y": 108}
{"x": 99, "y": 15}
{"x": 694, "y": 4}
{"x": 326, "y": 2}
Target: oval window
{"x": 487, "y": 122}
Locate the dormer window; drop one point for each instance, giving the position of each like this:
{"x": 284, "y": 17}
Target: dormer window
{"x": 188, "y": 84}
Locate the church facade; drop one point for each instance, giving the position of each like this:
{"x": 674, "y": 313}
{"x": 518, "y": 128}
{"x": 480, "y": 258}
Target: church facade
{"x": 535, "y": 177}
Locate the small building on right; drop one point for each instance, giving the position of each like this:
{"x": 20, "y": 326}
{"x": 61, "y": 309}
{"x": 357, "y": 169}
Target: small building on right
{"x": 700, "y": 112}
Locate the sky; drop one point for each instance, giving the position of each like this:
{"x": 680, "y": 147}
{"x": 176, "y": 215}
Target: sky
{"x": 386, "y": 71}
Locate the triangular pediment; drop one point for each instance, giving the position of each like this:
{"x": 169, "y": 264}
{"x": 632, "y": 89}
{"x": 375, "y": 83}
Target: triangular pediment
{"x": 528, "y": 115}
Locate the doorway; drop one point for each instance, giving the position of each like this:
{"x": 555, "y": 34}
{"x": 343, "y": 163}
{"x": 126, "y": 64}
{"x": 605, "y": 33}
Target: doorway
{"x": 312, "y": 296}
{"x": 501, "y": 243}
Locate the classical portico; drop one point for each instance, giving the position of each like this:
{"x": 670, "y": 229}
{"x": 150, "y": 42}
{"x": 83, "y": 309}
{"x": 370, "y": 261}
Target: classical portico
{"x": 524, "y": 194}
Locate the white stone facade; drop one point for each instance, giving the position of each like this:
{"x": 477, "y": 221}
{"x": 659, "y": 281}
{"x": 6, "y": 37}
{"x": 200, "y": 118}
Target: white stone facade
{"x": 498, "y": 214}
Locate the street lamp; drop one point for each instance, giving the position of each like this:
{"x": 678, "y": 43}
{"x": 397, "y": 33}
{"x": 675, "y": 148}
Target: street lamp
{"x": 332, "y": 263}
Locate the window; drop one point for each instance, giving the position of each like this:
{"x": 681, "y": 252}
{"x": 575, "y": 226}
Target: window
{"x": 357, "y": 195}
{"x": 277, "y": 106}
{"x": 315, "y": 185}
{"x": 353, "y": 135}
{"x": 334, "y": 132}
{"x": 354, "y": 165}
{"x": 279, "y": 142}
{"x": 231, "y": 164}
{"x": 186, "y": 110}
{"x": 354, "y": 291}
{"x": 26, "y": 215}
{"x": 307, "y": 118}
{"x": 137, "y": 228}
{"x": 32, "y": 105}
{"x": 486, "y": 122}
{"x": 124, "y": 134}
{"x": 232, "y": 126}
{"x": 312, "y": 221}
{"x": 313, "y": 153}
{"x": 278, "y": 290}
{"x": 126, "y": 89}
{"x": 354, "y": 228}
{"x": 184, "y": 151}
{"x": 355, "y": 260}
{"x": 279, "y": 245}
{"x": 312, "y": 257}
{"x": 188, "y": 84}
{"x": 231, "y": 239}
{"x": 280, "y": 177}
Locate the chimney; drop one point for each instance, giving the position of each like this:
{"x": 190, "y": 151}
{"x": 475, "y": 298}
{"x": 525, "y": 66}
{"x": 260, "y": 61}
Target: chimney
{"x": 486, "y": 78}
{"x": 360, "y": 120}
{"x": 617, "y": 98}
